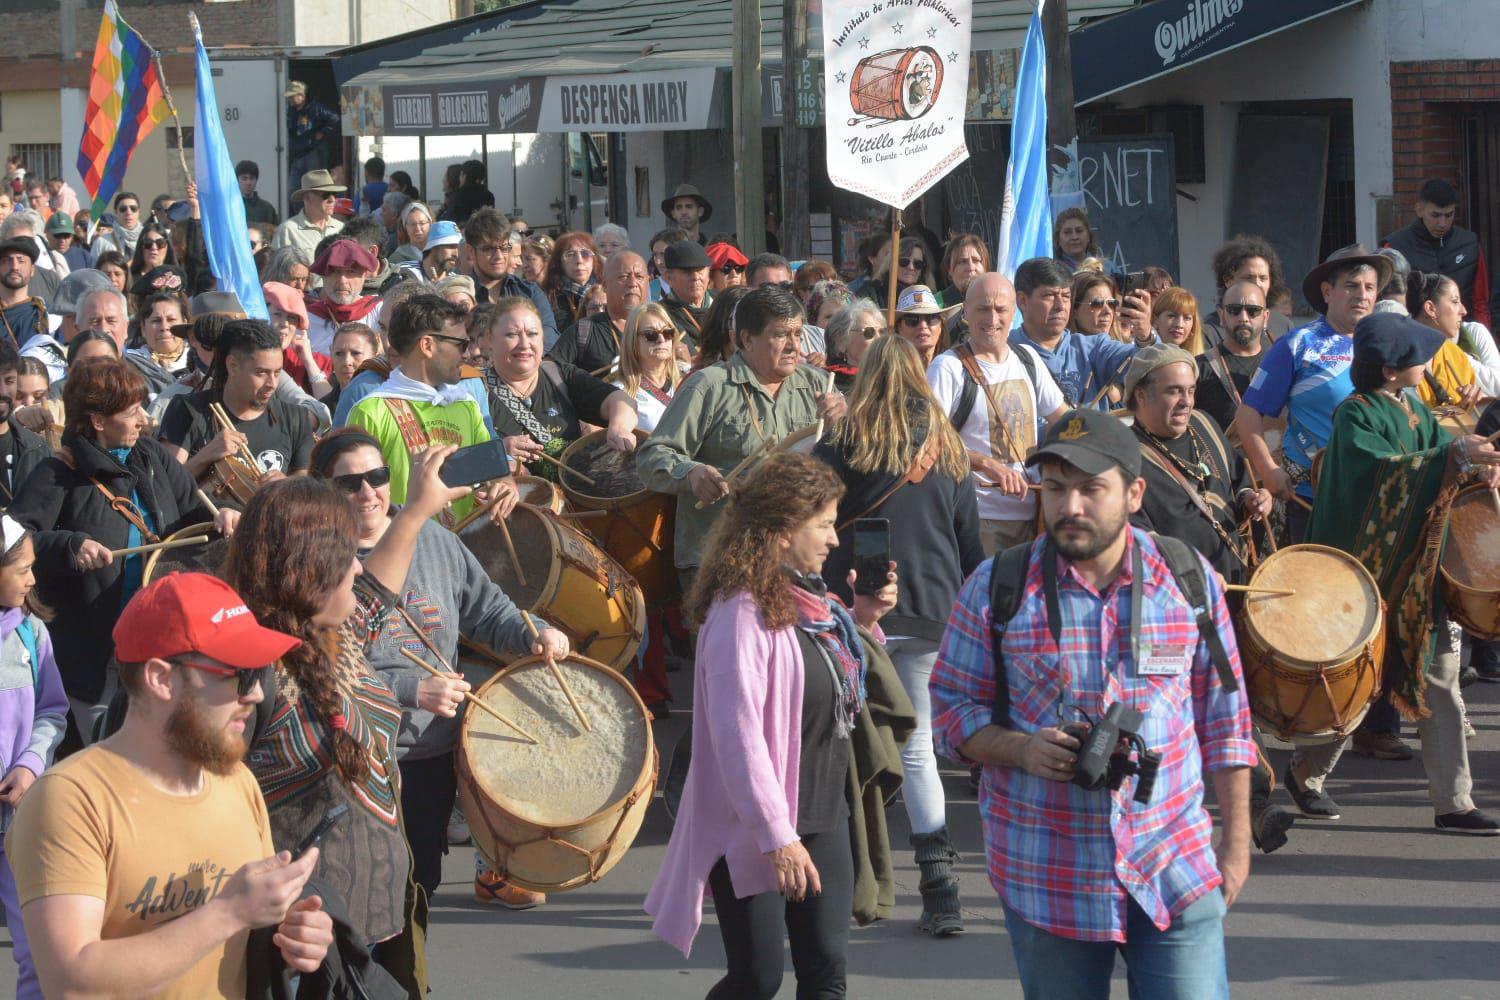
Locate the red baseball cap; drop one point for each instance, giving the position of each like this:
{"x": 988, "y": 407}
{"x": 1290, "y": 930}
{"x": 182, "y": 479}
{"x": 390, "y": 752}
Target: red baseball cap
{"x": 196, "y": 613}
{"x": 344, "y": 208}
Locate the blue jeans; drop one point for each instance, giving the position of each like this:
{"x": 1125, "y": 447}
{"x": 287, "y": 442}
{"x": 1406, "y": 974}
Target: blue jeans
{"x": 1184, "y": 962}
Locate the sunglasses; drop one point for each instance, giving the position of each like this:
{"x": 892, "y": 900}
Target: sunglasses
{"x": 1243, "y": 309}
{"x": 462, "y": 342}
{"x": 246, "y": 680}
{"x": 350, "y": 483}
{"x": 913, "y": 262}
{"x": 922, "y": 319}
{"x": 127, "y": 209}
{"x": 658, "y": 335}
{"x": 1101, "y": 303}
{"x": 154, "y": 244}
{"x": 870, "y": 332}
{"x": 734, "y": 269}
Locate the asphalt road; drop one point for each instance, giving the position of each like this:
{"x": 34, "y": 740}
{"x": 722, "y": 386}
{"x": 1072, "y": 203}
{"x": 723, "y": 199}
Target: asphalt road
{"x": 1376, "y": 906}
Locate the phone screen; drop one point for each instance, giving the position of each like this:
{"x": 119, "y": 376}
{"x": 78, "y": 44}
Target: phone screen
{"x": 872, "y": 553}
{"x": 478, "y": 463}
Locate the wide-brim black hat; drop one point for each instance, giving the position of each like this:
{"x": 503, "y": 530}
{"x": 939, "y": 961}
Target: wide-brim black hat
{"x": 688, "y": 191}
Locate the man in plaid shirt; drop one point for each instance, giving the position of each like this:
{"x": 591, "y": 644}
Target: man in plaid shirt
{"x": 1082, "y": 874}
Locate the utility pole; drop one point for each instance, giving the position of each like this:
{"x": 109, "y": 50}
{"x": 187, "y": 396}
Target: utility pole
{"x": 1062, "y": 126}
{"x": 749, "y": 183}
{"x": 796, "y": 176}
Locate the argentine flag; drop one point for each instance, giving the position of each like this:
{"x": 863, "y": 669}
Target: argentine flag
{"x": 1026, "y": 217}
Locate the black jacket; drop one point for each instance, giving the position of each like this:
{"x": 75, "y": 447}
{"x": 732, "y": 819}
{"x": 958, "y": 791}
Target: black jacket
{"x": 348, "y": 972}
{"x": 1458, "y": 255}
{"x": 257, "y": 209}
{"x": 688, "y": 319}
{"x": 31, "y": 449}
{"x": 934, "y": 541}
{"x": 465, "y": 201}
{"x": 64, "y": 507}
{"x": 590, "y": 344}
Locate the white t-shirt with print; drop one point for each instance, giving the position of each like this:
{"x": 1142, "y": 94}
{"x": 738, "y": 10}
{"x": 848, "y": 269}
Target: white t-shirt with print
{"x": 1020, "y": 407}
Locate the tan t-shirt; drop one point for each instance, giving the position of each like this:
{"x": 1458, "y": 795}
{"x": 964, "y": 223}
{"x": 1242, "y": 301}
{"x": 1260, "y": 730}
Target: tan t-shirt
{"x": 93, "y": 825}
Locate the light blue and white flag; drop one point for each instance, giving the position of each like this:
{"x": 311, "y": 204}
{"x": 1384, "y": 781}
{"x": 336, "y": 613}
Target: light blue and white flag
{"x": 1026, "y": 218}
{"x": 220, "y": 206}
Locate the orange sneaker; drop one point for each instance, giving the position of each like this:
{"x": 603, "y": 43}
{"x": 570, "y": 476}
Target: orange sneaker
{"x": 493, "y": 890}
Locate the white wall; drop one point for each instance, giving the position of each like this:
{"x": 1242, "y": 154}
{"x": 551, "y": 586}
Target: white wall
{"x": 1339, "y": 56}
{"x": 352, "y": 22}
{"x": 1442, "y": 29}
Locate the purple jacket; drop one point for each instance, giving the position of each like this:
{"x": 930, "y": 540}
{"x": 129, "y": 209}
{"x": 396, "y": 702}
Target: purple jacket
{"x": 740, "y": 801}
{"x": 33, "y": 713}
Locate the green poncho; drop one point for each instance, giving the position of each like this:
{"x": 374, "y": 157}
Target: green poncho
{"x": 1381, "y": 498}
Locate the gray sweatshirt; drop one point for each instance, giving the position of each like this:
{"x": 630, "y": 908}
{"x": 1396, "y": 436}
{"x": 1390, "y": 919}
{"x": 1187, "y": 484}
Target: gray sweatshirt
{"x": 447, "y": 594}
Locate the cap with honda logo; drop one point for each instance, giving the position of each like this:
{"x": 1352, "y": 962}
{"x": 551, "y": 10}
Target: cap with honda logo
{"x": 196, "y": 613}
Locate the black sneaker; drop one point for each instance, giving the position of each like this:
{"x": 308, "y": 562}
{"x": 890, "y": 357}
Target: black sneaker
{"x": 1268, "y": 827}
{"x": 1473, "y": 823}
{"x": 1314, "y": 804}
{"x": 1488, "y": 671}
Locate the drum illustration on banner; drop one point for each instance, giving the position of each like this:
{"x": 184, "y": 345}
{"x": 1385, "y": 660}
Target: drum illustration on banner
{"x": 901, "y": 84}
{"x": 895, "y": 82}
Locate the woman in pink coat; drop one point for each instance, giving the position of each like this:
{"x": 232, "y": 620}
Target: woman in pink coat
{"x": 763, "y": 822}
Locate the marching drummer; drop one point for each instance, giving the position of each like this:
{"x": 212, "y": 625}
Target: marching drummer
{"x": 446, "y": 595}
{"x": 537, "y": 403}
{"x": 243, "y": 377}
{"x": 108, "y": 488}
{"x": 1385, "y": 478}
{"x": 724, "y": 413}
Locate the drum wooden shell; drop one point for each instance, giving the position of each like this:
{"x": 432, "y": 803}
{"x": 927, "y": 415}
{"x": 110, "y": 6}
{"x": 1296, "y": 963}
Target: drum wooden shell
{"x": 569, "y": 582}
{"x": 561, "y": 813}
{"x": 1312, "y": 661}
{"x": 205, "y": 558}
{"x": 230, "y": 482}
{"x": 1455, "y": 420}
{"x": 541, "y": 493}
{"x": 1469, "y": 574}
{"x": 881, "y": 86}
{"x": 639, "y": 531}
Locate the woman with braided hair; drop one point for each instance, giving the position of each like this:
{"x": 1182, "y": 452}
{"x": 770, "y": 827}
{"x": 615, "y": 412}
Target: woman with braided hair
{"x": 329, "y": 736}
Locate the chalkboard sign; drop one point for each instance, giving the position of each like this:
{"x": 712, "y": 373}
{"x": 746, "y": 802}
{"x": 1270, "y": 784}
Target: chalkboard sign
{"x": 1130, "y": 192}
{"x": 1280, "y": 174}
{"x": 974, "y": 193}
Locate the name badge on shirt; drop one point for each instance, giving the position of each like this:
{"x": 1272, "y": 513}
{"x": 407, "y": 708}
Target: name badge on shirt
{"x": 1163, "y": 661}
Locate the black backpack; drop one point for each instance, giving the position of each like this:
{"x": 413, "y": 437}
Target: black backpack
{"x": 1008, "y": 579}
{"x": 970, "y": 393}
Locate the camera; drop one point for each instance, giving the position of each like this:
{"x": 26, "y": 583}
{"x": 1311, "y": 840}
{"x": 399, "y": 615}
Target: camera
{"x": 1099, "y": 766}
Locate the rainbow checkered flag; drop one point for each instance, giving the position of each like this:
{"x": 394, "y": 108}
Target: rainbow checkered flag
{"x": 126, "y": 102}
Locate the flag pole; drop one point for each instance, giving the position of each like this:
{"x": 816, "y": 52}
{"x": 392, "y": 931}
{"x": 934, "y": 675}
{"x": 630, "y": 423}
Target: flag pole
{"x": 895, "y": 259}
{"x": 166, "y": 92}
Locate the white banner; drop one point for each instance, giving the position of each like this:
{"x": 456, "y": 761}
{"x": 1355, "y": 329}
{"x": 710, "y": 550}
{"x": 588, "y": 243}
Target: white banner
{"x": 659, "y": 101}
{"x": 896, "y": 82}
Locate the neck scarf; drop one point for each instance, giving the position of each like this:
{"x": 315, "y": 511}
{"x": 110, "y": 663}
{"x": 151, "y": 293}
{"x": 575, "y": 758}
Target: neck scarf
{"x": 337, "y": 314}
{"x": 830, "y": 625}
{"x": 126, "y": 239}
{"x": 399, "y": 385}
{"x": 132, "y": 573}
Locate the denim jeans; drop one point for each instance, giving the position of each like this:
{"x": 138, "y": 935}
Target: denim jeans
{"x": 1184, "y": 962}
{"x": 922, "y": 789}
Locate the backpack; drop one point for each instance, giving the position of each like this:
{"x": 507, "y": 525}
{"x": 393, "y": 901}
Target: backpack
{"x": 970, "y": 392}
{"x": 27, "y": 632}
{"x": 1008, "y": 579}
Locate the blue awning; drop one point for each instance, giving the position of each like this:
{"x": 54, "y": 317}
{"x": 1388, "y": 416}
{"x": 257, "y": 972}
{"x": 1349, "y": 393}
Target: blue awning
{"x": 1158, "y": 38}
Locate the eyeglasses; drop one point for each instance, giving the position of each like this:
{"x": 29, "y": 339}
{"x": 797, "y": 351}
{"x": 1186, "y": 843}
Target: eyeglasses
{"x": 127, "y": 209}
{"x": 1243, "y": 308}
{"x": 1101, "y": 303}
{"x": 578, "y": 255}
{"x": 735, "y": 269}
{"x": 154, "y": 244}
{"x": 350, "y": 483}
{"x": 913, "y": 262}
{"x": 246, "y": 680}
{"x": 462, "y": 342}
{"x": 659, "y": 334}
{"x": 492, "y": 249}
{"x": 870, "y": 332}
{"x": 922, "y": 319}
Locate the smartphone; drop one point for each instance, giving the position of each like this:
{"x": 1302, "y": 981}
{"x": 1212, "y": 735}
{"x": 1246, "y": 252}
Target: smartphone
{"x": 318, "y": 832}
{"x": 872, "y": 553}
{"x": 1135, "y": 281}
{"x": 478, "y": 463}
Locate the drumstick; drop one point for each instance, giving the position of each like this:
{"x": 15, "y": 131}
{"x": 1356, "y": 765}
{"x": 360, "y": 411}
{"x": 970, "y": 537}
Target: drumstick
{"x": 1241, "y": 588}
{"x": 226, "y": 424}
{"x": 564, "y": 468}
{"x": 1492, "y": 437}
{"x": 573, "y": 515}
{"x": 754, "y": 454}
{"x": 996, "y": 486}
{"x": 510, "y": 550}
{"x": 212, "y": 510}
{"x": 434, "y": 671}
{"x": 475, "y": 514}
{"x": 1095, "y": 401}
{"x": 175, "y": 543}
{"x": 1305, "y": 505}
{"x": 562, "y": 681}
{"x": 1495, "y": 495}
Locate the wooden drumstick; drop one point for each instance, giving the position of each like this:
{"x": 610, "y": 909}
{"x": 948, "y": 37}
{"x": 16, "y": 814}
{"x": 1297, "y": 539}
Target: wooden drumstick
{"x": 754, "y": 454}
{"x": 1303, "y": 503}
{"x": 175, "y": 543}
{"x": 510, "y": 546}
{"x": 226, "y": 424}
{"x": 570, "y": 471}
{"x": 213, "y": 511}
{"x": 1240, "y": 588}
{"x": 484, "y": 706}
{"x": 562, "y": 681}
{"x": 574, "y": 515}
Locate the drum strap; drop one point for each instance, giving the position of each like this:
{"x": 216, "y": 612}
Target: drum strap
{"x": 413, "y": 435}
{"x": 518, "y": 410}
{"x": 1220, "y": 368}
{"x": 921, "y": 464}
{"x": 1014, "y": 452}
{"x": 120, "y": 505}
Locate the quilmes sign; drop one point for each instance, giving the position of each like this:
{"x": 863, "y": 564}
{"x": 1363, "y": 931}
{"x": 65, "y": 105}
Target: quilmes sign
{"x": 1156, "y": 38}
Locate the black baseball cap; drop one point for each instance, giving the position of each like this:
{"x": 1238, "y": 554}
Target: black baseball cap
{"x": 1093, "y": 441}
{"x": 1395, "y": 341}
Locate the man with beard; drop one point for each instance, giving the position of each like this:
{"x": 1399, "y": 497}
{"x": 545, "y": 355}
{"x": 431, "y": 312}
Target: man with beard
{"x": 1225, "y": 370}
{"x": 687, "y": 299}
{"x": 687, "y": 209}
{"x": 149, "y": 855}
{"x": 22, "y": 314}
{"x": 20, "y": 449}
{"x": 593, "y": 343}
{"x": 1306, "y": 373}
{"x": 343, "y": 264}
{"x": 489, "y": 238}
{"x": 243, "y": 377}
{"x": 1082, "y": 366}
{"x": 1096, "y": 617}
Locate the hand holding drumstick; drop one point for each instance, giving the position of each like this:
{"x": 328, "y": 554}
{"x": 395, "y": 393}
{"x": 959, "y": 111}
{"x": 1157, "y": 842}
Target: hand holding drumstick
{"x": 547, "y": 644}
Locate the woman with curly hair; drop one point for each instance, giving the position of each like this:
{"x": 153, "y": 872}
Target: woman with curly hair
{"x": 570, "y": 274}
{"x": 763, "y": 823}
{"x": 328, "y": 738}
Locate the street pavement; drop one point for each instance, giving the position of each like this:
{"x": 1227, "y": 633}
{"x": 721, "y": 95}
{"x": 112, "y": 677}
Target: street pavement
{"x": 1377, "y": 906}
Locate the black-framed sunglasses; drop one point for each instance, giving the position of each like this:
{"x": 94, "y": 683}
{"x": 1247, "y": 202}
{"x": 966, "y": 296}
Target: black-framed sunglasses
{"x": 1244, "y": 308}
{"x": 657, "y": 335}
{"x": 917, "y": 262}
{"x": 245, "y": 680}
{"x": 921, "y": 319}
{"x": 350, "y": 483}
{"x": 462, "y": 342}
{"x": 1101, "y": 303}
{"x": 154, "y": 244}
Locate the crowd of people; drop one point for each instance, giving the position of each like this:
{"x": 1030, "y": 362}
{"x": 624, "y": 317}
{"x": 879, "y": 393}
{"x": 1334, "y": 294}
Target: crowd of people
{"x": 1074, "y": 467}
